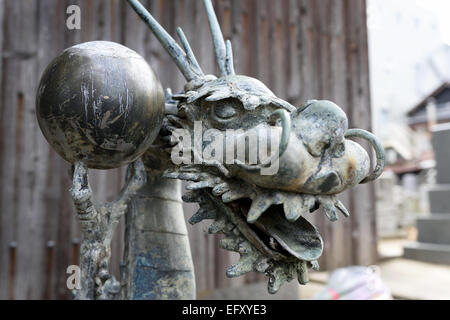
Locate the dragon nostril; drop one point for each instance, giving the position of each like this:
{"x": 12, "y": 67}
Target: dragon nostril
{"x": 328, "y": 181}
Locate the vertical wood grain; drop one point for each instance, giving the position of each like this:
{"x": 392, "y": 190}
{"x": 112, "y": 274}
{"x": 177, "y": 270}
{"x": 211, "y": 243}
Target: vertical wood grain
{"x": 301, "y": 49}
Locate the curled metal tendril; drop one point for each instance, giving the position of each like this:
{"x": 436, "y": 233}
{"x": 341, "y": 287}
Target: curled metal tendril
{"x": 379, "y": 151}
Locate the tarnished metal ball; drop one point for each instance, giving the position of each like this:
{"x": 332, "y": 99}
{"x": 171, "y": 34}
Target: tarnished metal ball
{"x": 100, "y": 103}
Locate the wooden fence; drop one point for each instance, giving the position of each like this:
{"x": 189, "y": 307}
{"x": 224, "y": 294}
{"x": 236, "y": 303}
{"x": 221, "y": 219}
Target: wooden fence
{"x": 301, "y": 49}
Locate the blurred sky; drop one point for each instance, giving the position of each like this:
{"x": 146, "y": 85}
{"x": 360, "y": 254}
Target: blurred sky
{"x": 441, "y": 9}
{"x": 409, "y": 54}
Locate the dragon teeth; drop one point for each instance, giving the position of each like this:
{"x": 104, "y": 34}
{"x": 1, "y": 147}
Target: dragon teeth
{"x": 244, "y": 247}
{"x": 217, "y": 226}
{"x": 314, "y": 265}
{"x": 292, "y": 214}
{"x": 329, "y": 208}
{"x": 229, "y": 244}
{"x": 200, "y": 185}
{"x": 232, "y": 195}
{"x": 302, "y": 273}
{"x": 309, "y": 202}
{"x": 245, "y": 265}
{"x": 171, "y": 175}
{"x": 294, "y": 208}
{"x": 276, "y": 280}
{"x": 261, "y": 265}
{"x": 331, "y": 214}
{"x": 220, "y": 189}
{"x": 342, "y": 208}
{"x": 258, "y": 207}
{"x": 203, "y": 213}
{"x": 191, "y": 196}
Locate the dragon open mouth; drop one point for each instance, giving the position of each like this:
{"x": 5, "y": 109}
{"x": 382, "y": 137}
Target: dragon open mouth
{"x": 272, "y": 235}
{"x": 283, "y": 239}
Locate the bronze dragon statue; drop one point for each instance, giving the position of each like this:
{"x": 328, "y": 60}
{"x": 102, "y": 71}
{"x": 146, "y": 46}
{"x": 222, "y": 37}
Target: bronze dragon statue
{"x": 254, "y": 163}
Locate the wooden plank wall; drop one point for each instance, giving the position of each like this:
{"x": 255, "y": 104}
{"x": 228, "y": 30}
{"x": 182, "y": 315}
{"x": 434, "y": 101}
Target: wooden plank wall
{"x": 302, "y": 49}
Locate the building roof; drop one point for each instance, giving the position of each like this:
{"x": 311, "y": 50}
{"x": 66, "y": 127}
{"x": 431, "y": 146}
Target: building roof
{"x": 441, "y": 97}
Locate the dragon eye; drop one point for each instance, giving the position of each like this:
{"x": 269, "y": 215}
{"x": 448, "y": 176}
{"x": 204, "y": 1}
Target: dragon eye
{"x": 224, "y": 111}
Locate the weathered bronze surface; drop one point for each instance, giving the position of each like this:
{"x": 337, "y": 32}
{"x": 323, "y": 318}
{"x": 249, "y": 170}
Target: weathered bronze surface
{"x": 100, "y": 103}
{"x": 263, "y": 216}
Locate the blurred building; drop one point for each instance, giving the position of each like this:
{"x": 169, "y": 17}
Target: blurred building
{"x": 433, "y": 243}
{"x": 410, "y": 72}
{"x": 403, "y": 35}
{"x": 433, "y": 109}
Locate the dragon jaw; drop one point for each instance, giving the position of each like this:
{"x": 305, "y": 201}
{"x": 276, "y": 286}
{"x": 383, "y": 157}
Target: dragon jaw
{"x": 278, "y": 242}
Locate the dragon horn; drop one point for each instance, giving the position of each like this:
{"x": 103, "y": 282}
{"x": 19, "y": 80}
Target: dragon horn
{"x": 190, "y": 69}
{"x": 223, "y": 52}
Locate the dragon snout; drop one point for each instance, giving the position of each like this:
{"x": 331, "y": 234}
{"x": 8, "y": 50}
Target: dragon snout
{"x": 316, "y": 160}
{"x": 325, "y": 182}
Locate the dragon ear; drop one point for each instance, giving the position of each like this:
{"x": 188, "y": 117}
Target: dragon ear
{"x": 184, "y": 59}
{"x": 224, "y": 52}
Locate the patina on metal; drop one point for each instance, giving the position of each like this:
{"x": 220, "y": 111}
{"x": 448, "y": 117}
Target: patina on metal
{"x": 86, "y": 104}
{"x": 262, "y": 215}
{"x": 97, "y": 224}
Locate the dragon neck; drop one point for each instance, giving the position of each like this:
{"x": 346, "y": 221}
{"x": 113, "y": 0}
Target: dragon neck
{"x": 157, "y": 260}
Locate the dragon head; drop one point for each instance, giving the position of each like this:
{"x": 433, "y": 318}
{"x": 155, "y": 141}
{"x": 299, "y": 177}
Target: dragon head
{"x": 254, "y": 163}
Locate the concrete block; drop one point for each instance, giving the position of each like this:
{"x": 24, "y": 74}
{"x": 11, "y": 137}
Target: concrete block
{"x": 428, "y": 252}
{"x": 441, "y": 146}
{"x": 439, "y": 198}
{"x": 434, "y": 229}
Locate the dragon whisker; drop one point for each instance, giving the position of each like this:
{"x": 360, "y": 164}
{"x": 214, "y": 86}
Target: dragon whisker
{"x": 218, "y": 40}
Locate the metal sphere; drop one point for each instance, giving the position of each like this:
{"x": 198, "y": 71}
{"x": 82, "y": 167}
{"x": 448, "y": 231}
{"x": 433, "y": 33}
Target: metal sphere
{"x": 100, "y": 103}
